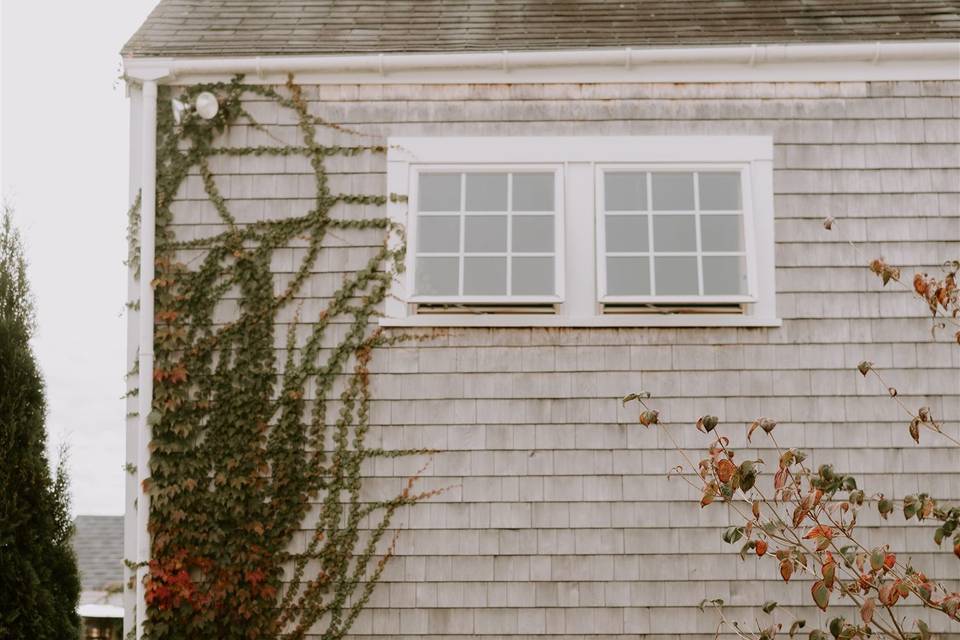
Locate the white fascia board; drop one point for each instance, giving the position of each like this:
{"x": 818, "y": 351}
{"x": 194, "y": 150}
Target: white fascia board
{"x": 830, "y": 62}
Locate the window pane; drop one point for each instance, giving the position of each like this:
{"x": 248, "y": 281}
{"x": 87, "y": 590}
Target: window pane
{"x": 533, "y": 233}
{"x": 625, "y": 191}
{"x": 439, "y": 192}
{"x": 676, "y": 276}
{"x": 724, "y": 275}
{"x": 437, "y": 276}
{"x": 486, "y": 192}
{"x": 720, "y": 191}
{"x": 484, "y": 234}
{"x": 628, "y": 276}
{"x": 533, "y": 192}
{"x": 721, "y": 233}
{"x": 438, "y": 234}
{"x": 627, "y": 233}
{"x": 674, "y": 233}
{"x": 672, "y": 191}
{"x": 485, "y": 276}
{"x": 532, "y": 276}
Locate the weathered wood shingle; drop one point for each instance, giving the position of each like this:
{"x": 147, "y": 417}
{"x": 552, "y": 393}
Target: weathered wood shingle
{"x": 275, "y": 27}
{"x": 559, "y": 521}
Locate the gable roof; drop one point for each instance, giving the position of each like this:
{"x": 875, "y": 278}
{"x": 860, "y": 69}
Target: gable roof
{"x": 194, "y": 28}
{"x": 98, "y": 543}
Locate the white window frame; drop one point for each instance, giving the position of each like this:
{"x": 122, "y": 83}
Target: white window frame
{"x": 578, "y": 161}
{"x": 462, "y": 169}
{"x": 746, "y": 211}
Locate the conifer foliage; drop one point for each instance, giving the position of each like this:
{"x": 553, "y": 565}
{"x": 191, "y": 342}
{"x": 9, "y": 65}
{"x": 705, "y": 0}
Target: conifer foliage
{"x": 39, "y": 583}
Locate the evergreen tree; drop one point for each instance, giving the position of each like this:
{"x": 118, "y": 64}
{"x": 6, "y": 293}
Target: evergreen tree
{"x": 39, "y": 582}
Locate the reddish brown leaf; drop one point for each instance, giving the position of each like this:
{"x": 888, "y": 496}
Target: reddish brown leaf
{"x": 889, "y": 594}
{"x": 867, "y": 609}
{"x": 761, "y": 548}
{"x": 786, "y": 570}
{"x": 725, "y": 470}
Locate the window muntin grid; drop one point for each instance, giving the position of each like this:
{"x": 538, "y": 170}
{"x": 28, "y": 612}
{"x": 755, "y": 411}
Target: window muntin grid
{"x": 486, "y": 234}
{"x": 670, "y": 234}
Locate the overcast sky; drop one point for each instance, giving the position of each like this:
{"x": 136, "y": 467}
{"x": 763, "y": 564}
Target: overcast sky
{"x": 64, "y": 135}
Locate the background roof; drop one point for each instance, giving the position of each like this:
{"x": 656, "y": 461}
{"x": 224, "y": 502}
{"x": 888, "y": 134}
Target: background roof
{"x": 98, "y": 543}
{"x": 290, "y": 27}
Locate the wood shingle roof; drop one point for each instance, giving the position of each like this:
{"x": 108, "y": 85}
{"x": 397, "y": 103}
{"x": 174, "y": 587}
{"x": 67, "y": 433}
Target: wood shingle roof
{"x": 192, "y": 28}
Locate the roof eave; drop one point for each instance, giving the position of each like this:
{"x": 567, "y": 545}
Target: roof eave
{"x": 886, "y": 60}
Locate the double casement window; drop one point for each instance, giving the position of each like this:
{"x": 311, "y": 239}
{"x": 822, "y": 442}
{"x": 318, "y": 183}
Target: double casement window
{"x": 583, "y": 231}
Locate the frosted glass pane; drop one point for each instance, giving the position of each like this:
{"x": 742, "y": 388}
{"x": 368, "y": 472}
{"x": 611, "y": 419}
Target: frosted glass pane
{"x": 627, "y": 233}
{"x": 438, "y": 234}
{"x": 484, "y": 276}
{"x": 724, "y": 275}
{"x": 437, "y": 276}
{"x": 486, "y": 192}
{"x": 533, "y": 192}
{"x": 672, "y": 191}
{"x": 628, "y": 276}
{"x": 533, "y": 233}
{"x": 625, "y": 191}
{"x": 485, "y": 234}
{"x": 674, "y": 233}
{"x": 532, "y": 276}
{"x": 721, "y": 233}
{"x": 720, "y": 191}
{"x": 439, "y": 192}
{"x": 676, "y": 276}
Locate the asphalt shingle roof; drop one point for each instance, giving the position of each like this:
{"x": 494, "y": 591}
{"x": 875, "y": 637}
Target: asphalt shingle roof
{"x": 98, "y": 543}
{"x": 190, "y": 28}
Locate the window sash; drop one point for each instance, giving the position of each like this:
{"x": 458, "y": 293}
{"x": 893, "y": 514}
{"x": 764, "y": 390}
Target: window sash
{"x": 509, "y": 254}
{"x": 745, "y": 211}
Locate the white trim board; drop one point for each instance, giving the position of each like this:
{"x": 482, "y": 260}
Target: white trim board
{"x": 825, "y": 62}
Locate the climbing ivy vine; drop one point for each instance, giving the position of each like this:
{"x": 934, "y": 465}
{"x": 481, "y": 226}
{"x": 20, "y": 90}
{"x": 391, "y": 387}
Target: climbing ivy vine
{"x": 247, "y": 443}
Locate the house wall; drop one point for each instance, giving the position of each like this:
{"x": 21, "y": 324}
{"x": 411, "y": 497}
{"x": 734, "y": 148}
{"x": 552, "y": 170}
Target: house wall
{"x": 559, "y": 520}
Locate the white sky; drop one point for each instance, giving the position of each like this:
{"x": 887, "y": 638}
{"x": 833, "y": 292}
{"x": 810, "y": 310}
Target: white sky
{"x": 64, "y": 135}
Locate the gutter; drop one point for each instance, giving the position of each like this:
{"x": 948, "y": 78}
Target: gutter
{"x": 766, "y": 62}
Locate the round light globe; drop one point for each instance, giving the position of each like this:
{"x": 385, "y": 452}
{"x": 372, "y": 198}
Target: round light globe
{"x": 207, "y": 105}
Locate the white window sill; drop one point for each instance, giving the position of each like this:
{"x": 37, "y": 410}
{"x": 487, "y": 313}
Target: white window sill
{"x": 612, "y": 320}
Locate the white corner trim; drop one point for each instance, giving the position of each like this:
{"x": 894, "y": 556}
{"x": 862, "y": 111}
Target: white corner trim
{"x": 148, "y": 202}
{"x": 830, "y": 62}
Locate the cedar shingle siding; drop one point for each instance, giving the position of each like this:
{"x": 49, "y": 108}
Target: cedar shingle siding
{"x": 560, "y": 521}
{"x": 272, "y": 27}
